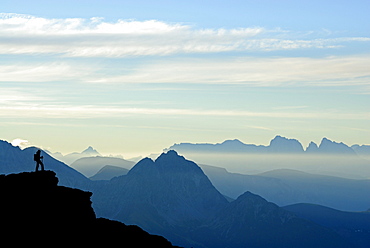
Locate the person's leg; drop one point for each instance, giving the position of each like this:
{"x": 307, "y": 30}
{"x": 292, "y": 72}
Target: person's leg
{"x": 42, "y": 165}
{"x": 37, "y": 166}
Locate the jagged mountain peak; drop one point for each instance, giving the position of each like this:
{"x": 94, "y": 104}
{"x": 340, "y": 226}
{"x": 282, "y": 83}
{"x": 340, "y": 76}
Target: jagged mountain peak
{"x": 312, "y": 147}
{"x": 329, "y": 146}
{"x": 144, "y": 166}
{"x": 282, "y": 144}
{"x": 170, "y": 154}
{"x": 90, "y": 150}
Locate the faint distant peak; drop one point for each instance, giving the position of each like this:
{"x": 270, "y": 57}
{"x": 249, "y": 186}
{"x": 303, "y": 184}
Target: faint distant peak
{"x": 312, "y": 147}
{"x": 234, "y": 141}
{"x": 90, "y": 150}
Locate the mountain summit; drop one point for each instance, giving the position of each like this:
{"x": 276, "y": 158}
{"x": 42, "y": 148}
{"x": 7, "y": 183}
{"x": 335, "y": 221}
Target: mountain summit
{"x": 285, "y": 145}
{"x": 90, "y": 151}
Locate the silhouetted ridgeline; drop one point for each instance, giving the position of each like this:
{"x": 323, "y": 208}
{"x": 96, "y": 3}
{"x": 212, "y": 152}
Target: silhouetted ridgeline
{"x": 35, "y": 211}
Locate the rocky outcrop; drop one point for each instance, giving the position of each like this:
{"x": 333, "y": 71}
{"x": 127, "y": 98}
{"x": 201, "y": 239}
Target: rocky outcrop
{"x": 34, "y": 210}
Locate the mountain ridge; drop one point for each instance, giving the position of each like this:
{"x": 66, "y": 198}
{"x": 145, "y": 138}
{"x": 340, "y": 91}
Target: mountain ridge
{"x": 171, "y": 196}
{"x": 278, "y": 144}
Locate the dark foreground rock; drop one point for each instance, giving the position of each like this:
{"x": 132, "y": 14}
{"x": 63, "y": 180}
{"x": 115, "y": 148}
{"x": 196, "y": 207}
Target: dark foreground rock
{"x": 34, "y": 210}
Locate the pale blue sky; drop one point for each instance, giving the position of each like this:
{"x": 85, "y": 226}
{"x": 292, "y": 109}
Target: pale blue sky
{"x": 134, "y": 77}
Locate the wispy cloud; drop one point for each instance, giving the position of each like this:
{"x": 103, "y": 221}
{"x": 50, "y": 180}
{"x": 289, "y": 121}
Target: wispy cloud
{"x": 76, "y": 37}
{"x": 264, "y": 72}
{"x": 256, "y": 72}
{"x": 90, "y": 111}
{"x": 42, "y": 72}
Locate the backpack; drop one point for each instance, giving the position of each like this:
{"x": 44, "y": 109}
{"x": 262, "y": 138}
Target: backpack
{"x": 35, "y": 157}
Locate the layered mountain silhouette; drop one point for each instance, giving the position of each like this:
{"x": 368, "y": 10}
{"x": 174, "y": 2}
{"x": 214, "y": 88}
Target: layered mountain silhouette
{"x": 71, "y": 157}
{"x": 89, "y": 166}
{"x": 171, "y": 196}
{"x": 35, "y": 211}
{"x": 166, "y": 196}
{"x": 285, "y": 187}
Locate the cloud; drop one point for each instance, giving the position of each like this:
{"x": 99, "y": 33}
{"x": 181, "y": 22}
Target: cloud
{"x": 76, "y": 37}
{"x": 97, "y": 112}
{"x": 20, "y": 142}
{"x": 42, "y": 72}
{"x": 262, "y": 72}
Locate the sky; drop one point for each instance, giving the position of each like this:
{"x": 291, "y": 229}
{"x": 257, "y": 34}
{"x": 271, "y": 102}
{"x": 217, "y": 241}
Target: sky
{"x": 135, "y": 77}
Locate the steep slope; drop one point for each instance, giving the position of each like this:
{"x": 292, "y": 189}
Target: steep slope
{"x": 354, "y": 226}
{"x": 168, "y": 196}
{"x": 35, "y": 211}
{"x": 172, "y": 197}
{"x": 251, "y": 221}
{"x": 329, "y": 147}
{"x": 15, "y": 160}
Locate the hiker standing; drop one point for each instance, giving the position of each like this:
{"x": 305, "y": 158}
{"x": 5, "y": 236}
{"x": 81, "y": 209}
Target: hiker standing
{"x": 38, "y": 158}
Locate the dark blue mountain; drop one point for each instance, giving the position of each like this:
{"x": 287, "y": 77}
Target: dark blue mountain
{"x": 354, "y": 226}
{"x": 285, "y": 187}
{"x": 251, "y": 221}
{"x": 168, "y": 196}
{"x": 172, "y": 197}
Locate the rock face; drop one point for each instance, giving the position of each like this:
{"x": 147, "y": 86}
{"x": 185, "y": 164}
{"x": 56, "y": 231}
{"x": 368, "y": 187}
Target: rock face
{"x": 35, "y": 211}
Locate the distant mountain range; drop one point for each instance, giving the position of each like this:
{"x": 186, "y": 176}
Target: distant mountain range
{"x": 328, "y": 158}
{"x": 277, "y": 145}
{"x": 172, "y": 197}
{"x": 72, "y": 157}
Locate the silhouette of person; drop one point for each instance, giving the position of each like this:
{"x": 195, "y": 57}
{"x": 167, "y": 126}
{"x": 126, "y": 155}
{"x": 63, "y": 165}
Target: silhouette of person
{"x": 38, "y": 158}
